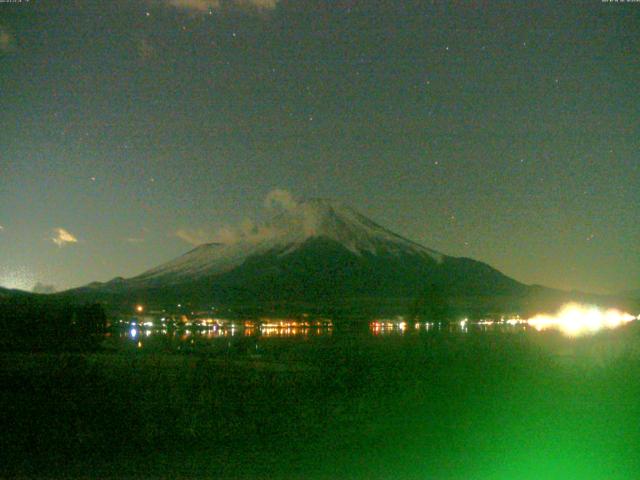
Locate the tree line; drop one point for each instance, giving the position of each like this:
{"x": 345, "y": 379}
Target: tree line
{"x": 49, "y": 323}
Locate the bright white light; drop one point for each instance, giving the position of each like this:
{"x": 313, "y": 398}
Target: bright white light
{"x": 514, "y": 321}
{"x": 574, "y": 320}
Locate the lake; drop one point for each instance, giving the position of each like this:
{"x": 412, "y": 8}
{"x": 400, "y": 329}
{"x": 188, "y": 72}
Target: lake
{"x": 354, "y": 402}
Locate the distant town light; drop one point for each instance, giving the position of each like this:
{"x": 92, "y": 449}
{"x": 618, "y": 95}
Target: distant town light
{"x": 574, "y": 319}
{"x": 139, "y": 308}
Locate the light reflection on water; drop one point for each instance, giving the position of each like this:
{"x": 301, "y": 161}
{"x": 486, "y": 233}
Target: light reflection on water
{"x": 198, "y": 335}
{"x": 401, "y": 327}
{"x": 376, "y": 328}
{"x": 571, "y": 321}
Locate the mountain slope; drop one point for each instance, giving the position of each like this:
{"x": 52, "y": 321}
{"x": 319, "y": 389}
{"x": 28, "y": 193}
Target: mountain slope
{"x": 317, "y": 252}
{"x": 285, "y": 234}
{"x": 7, "y": 292}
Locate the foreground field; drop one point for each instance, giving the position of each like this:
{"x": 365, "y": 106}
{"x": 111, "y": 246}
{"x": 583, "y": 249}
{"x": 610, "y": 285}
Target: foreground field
{"x": 442, "y": 406}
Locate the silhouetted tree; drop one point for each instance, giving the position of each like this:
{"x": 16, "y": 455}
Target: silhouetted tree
{"x": 31, "y": 322}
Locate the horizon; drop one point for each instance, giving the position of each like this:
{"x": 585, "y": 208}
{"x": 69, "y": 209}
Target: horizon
{"x": 280, "y": 202}
{"x": 276, "y": 203}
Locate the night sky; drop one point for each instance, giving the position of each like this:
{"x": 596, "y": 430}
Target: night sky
{"x": 508, "y": 132}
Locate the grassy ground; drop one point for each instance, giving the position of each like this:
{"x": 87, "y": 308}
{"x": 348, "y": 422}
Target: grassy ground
{"x": 477, "y": 406}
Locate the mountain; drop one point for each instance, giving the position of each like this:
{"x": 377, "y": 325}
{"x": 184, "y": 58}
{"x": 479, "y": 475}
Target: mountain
{"x": 6, "y": 293}
{"x": 317, "y": 223}
{"x": 316, "y": 253}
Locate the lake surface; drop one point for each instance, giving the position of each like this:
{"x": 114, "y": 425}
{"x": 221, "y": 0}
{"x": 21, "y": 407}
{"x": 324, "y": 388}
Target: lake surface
{"x": 249, "y": 338}
{"x": 461, "y": 401}
{"x": 244, "y": 331}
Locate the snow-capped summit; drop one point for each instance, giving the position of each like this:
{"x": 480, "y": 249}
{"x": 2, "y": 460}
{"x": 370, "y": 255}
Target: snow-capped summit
{"x": 288, "y": 231}
{"x": 340, "y": 223}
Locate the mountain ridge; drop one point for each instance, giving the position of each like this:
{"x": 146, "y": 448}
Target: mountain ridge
{"x": 315, "y": 218}
{"x": 321, "y": 254}
{"x": 316, "y": 252}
